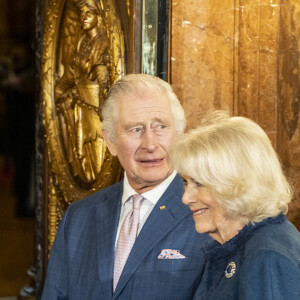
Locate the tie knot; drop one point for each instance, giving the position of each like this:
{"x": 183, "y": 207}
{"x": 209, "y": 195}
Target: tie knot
{"x": 137, "y": 201}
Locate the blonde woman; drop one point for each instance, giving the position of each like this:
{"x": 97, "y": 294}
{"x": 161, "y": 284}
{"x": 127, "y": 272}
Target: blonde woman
{"x": 238, "y": 194}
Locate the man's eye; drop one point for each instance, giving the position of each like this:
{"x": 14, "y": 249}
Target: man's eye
{"x": 136, "y": 130}
{"x": 159, "y": 128}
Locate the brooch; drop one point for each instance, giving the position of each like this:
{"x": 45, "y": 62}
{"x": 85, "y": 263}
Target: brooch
{"x": 230, "y": 270}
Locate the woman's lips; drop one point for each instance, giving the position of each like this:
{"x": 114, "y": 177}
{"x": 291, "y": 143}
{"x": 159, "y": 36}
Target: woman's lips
{"x": 199, "y": 211}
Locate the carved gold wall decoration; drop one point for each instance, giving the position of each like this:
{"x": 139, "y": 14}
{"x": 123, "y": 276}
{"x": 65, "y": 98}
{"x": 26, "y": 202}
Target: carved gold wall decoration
{"x": 83, "y": 55}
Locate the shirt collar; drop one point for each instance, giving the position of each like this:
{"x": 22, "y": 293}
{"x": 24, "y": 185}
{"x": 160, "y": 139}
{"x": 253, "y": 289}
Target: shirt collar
{"x": 153, "y": 195}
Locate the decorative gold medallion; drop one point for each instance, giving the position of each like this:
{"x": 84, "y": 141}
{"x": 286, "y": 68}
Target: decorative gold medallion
{"x": 230, "y": 270}
{"x": 162, "y": 207}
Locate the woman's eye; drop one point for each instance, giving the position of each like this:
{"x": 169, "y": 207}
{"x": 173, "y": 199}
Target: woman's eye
{"x": 184, "y": 182}
{"x": 198, "y": 183}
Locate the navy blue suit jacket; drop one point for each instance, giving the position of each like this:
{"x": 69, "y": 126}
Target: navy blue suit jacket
{"x": 82, "y": 256}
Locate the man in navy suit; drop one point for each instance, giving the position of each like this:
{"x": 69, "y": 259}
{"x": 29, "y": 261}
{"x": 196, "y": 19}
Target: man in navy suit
{"x": 141, "y": 117}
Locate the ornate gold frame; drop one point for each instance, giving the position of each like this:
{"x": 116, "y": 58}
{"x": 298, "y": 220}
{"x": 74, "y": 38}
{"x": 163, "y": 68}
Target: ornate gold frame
{"x": 63, "y": 188}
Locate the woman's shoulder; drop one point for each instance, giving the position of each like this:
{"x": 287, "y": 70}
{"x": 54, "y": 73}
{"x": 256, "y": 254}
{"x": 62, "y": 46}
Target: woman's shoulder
{"x": 275, "y": 238}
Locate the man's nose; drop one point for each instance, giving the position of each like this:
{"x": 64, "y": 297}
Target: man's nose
{"x": 149, "y": 140}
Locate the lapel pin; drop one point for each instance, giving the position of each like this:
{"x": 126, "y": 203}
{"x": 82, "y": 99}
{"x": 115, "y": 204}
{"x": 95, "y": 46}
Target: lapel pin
{"x": 230, "y": 270}
{"x": 162, "y": 207}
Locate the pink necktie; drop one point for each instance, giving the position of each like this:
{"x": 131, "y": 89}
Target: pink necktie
{"x": 127, "y": 237}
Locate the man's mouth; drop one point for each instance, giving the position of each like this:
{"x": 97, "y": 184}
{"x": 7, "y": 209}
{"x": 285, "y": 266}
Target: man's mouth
{"x": 199, "y": 211}
{"x": 151, "y": 161}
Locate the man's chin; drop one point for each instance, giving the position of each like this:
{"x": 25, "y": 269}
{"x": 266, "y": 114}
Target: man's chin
{"x": 146, "y": 179}
{"x": 146, "y": 185}
{"x": 155, "y": 179}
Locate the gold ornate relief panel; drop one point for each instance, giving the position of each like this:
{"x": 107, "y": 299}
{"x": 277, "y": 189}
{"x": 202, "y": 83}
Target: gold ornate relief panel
{"x": 83, "y": 55}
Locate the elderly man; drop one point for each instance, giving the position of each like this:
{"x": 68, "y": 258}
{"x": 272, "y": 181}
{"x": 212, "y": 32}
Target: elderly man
{"x": 133, "y": 240}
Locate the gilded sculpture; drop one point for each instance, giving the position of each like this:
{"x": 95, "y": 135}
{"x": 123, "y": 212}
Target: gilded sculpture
{"x": 80, "y": 92}
{"x": 83, "y": 55}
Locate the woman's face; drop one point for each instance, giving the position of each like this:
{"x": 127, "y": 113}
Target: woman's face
{"x": 88, "y": 18}
{"x": 208, "y": 215}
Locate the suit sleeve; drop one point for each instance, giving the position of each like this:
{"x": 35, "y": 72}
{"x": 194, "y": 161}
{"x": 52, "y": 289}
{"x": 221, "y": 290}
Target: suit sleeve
{"x": 55, "y": 287}
{"x": 270, "y": 275}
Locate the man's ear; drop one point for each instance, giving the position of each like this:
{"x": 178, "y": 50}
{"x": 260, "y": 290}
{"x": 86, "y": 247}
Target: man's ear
{"x": 112, "y": 146}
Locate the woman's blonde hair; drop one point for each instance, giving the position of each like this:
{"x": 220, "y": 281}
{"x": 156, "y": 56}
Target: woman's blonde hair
{"x": 234, "y": 158}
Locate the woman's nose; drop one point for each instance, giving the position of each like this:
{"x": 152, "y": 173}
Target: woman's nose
{"x": 186, "y": 198}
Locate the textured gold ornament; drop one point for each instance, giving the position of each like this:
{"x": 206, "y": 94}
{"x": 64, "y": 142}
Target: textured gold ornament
{"x": 83, "y": 56}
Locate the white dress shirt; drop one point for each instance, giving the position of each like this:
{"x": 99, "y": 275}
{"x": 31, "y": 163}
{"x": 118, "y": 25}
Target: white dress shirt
{"x": 151, "y": 198}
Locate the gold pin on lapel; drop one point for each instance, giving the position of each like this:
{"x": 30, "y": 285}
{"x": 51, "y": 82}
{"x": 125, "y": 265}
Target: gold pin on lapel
{"x": 162, "y": 207}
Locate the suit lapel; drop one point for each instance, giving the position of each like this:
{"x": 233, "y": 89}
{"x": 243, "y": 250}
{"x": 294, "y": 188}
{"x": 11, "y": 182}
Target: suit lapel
{"x": 158, "y": 225}
{"x": 108, "y": 212}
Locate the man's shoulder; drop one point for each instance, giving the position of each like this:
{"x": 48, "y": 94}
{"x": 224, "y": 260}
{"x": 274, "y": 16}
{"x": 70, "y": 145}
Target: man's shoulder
{"x": 176, "y": 186}
{"x": 96, "y": 198}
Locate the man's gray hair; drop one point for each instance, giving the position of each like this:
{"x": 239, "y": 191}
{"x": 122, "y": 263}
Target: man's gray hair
{"x": 140, "y": 85}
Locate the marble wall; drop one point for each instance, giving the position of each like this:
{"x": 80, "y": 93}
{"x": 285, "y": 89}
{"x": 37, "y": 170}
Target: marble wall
{"x": 242, "y": 56}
